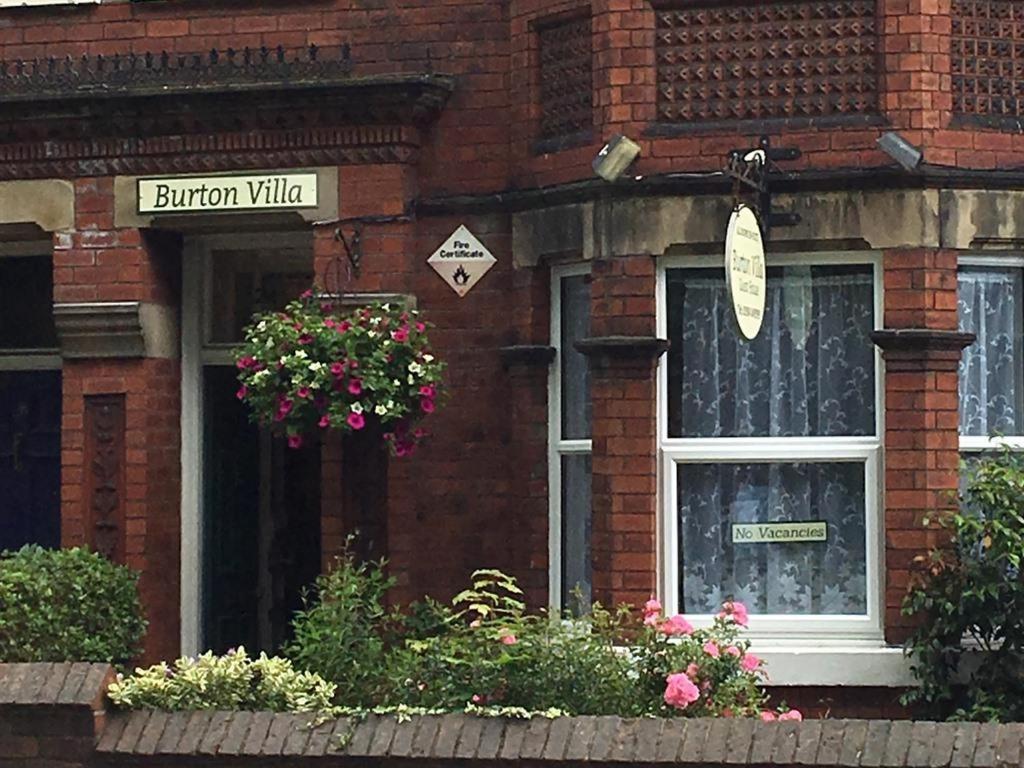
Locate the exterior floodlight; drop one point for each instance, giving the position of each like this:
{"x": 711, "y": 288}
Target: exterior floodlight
{"x": 900, "y": 150}
{"x": 616, "y": 156}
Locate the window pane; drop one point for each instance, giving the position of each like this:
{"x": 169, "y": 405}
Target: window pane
{"x": 26, "y": 303}
{"x": 575, "y": 371}
{"x": 811, "y": 370}
{"x": 576, "y": 527}
{"x": 776, "y": 577}
{"x": 991, "y": 368}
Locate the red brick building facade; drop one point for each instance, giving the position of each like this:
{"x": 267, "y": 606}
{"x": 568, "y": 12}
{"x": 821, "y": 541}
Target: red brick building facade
{"x": 575, "y": 451}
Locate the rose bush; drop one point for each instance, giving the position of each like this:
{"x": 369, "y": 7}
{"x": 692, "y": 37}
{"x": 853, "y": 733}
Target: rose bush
{"x": 308, "y": 368}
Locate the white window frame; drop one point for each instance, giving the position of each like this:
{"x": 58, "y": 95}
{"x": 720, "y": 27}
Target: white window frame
{"x": 34, "y": 3}
{"x": 980, "y": 443}
{"x": 557, "y": 447}
{"x": 768, "y": 630}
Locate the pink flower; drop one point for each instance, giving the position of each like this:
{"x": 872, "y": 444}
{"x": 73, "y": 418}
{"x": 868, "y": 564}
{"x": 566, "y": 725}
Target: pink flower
{"x": 768, "y": 716}
{"x": 329, "y": 323}
{"x": 735, "y": 611}
{"x": 343, "y": 326}
{"x": 284, "y": 407}
{"x": 477, "y": 698}
{"x": 727, "y": 712}
{"x": 750, "y": 662}
{"x": 680, "y": 691}
{"x": 242, "y": 392}
{"x": 793, "y": 714}
{"x": 652, "y": 606}
{"x": 732, "y": 650}
{"x": 337, "y": 369}
{"x": 325, "y": 422}
{"x": 426, "y": 405}
{"x": 308, "y": 294}
{"x": 420, "y": 327}
{"x": 507, "y": 638}
{"x": 692, "y": 670}
{"x": 356, "y": 421}
{"x": 295, "y": 441}
{"x": 428, "y": 391}
{"x": 711, "y": 649}
{"x": 355, "y": 387}
{"x": 305, "y": 339}
{"x": 245, "y": 363}
{"x": 303, "y": 392}
{"x": 676, "y": 625}
{"x": 401, "y": 335}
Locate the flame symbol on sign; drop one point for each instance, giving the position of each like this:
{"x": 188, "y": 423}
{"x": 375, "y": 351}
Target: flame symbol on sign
{"x": 461, "y": 276}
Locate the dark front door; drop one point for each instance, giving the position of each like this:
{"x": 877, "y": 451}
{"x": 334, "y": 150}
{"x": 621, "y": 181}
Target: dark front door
{"x": 30, "y": 407}
{"x": 261, "y": 521}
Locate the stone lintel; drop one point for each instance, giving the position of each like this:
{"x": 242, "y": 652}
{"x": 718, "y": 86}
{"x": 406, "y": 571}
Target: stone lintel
{"x": 47, "y": 203}
{"x": 527, "y": 355}
{"x": 117, "y": 329}
{"x": 623, "y": 346}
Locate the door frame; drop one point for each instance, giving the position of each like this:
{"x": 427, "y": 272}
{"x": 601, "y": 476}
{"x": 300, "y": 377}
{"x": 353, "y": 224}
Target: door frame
{"x": 196, "y": 303}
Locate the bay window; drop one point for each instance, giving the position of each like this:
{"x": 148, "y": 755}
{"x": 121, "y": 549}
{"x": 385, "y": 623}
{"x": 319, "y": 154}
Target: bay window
{"x": 570, "y": 445}
{"x": 991, "y": 306}
{"x": 771, "y": 448}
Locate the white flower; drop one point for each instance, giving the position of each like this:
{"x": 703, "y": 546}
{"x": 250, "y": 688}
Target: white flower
{"x": 415, "y": 368}
{"x": 411, "y": 379}
{"x": 316, "y": 367}
{"x": 380, "y": 410}
{"x": 357, "y": 408}
{"x": 300, "y": 355}
{"x": 397, "y": 383}
{"x": 428, "y": 358}
{"x": 260, "y": 374}
{"x": 262, "y": 325}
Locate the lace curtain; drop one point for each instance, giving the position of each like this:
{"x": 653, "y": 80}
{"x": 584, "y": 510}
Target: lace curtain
{"x": 990, "y": 369}
{"x": 811, "y": 372}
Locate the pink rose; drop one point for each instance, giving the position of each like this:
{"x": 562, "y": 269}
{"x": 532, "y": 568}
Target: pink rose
{"x": 680, "y": 691}
{"x": 732, "y": 650}
{"x": 793, "y": 714}
{"x": 295, "y": 441}
{"x": 692, "y": 670}
{"x": 676, "y": 625}
{"x": 768, "y": 716}
{"x": 750, "y": 662}
{"x": 711, "y": 649}
{"x": 356, "y": 421}
{"x": 355, "y": 387}
{"x": 652, "y": 606}
{"x": 507, "y": 638}
{"x": 735, "y": 611}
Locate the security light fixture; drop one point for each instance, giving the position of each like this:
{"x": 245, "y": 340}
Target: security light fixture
{"x": 900, "y": 150}
{"x": 615, "y": 157}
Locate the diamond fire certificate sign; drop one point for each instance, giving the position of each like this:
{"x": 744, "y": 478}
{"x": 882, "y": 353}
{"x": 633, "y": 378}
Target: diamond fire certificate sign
{"x": 462, "y": 260}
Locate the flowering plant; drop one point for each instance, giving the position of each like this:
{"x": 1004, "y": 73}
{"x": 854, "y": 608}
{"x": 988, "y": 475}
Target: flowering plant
{"x": 308, "y": 368}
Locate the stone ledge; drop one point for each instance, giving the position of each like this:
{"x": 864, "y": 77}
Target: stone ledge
{"x": 637, "y": 741}
{"x": 623, "y": 346}
{"x": 79, "y": 684}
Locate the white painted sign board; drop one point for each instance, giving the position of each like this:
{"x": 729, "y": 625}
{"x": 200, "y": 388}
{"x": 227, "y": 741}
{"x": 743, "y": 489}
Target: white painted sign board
{"x": 779, "y": 533}
{"x": 745, "y": 277}
{"x": 462, "y": 260}
{"x": 202, "y": 194}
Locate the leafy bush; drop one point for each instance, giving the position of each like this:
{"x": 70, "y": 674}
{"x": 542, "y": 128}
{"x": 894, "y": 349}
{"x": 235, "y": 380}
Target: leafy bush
{"x": 973, "y": 588}
{"x": 229, "y": 682}
{"x": 342, "y": 633}
{"x": 67, "y": 605}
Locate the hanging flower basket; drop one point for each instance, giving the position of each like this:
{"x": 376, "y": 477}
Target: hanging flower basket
{"x": 310, "y": 368}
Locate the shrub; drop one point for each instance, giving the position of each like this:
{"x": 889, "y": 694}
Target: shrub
{"x": 973, "y": 588}
{"x": 341, "y": 633}
{"x": 67, "y": 605}
{"x": 229, "y": 682}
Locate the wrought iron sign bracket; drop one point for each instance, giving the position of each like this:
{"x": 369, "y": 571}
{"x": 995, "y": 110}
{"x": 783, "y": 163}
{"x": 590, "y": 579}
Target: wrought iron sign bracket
{"x": 751, "y": 171}
{"x": 353, "y": 242}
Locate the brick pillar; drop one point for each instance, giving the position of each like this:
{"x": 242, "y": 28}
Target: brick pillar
{"x": 116, "y": 296}
{"x": 922, "y": 353}
{"x": 623, "y": 356}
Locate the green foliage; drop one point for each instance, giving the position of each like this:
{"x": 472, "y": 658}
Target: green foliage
{"x": 974, "y": 589}
{"x": 344, "y": 629}
{"x": 229, "y": 682}
{"x": 67, "y": 605}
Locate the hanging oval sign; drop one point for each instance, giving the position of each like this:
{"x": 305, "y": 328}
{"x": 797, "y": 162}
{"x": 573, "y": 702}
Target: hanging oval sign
{"x": 745, "y": 270}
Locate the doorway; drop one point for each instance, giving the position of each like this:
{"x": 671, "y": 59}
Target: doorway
{"x": 30, "y": 404}
{"x": 255, "y": 523}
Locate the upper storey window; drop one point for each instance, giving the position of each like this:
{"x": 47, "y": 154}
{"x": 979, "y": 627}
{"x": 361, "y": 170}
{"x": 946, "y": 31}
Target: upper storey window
{"x": 798, "y": 60}
{"x": 987, "y": 45}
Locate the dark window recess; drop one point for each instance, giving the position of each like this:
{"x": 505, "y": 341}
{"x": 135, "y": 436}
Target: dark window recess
{"x": 26, "y": 303}
{"x": 762, "y": 61}
{"x": 566, "y": 79}
{"x": 988, "y": 58}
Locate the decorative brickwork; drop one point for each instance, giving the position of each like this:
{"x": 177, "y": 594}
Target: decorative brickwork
{"x": 566, "y": 78}
{"x": 757, "y": 61}
{"x": 104, "y": 450}
{"x": 988, "y": 58}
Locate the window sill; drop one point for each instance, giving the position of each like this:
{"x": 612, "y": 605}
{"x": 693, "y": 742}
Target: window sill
{"x": 818, "y": 665}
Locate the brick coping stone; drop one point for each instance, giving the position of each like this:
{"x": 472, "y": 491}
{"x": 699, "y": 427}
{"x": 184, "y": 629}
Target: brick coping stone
{"x": 31, "y": 694}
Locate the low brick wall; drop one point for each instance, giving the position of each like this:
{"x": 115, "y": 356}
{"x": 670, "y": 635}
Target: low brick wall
{"x": 54, "y": 716}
